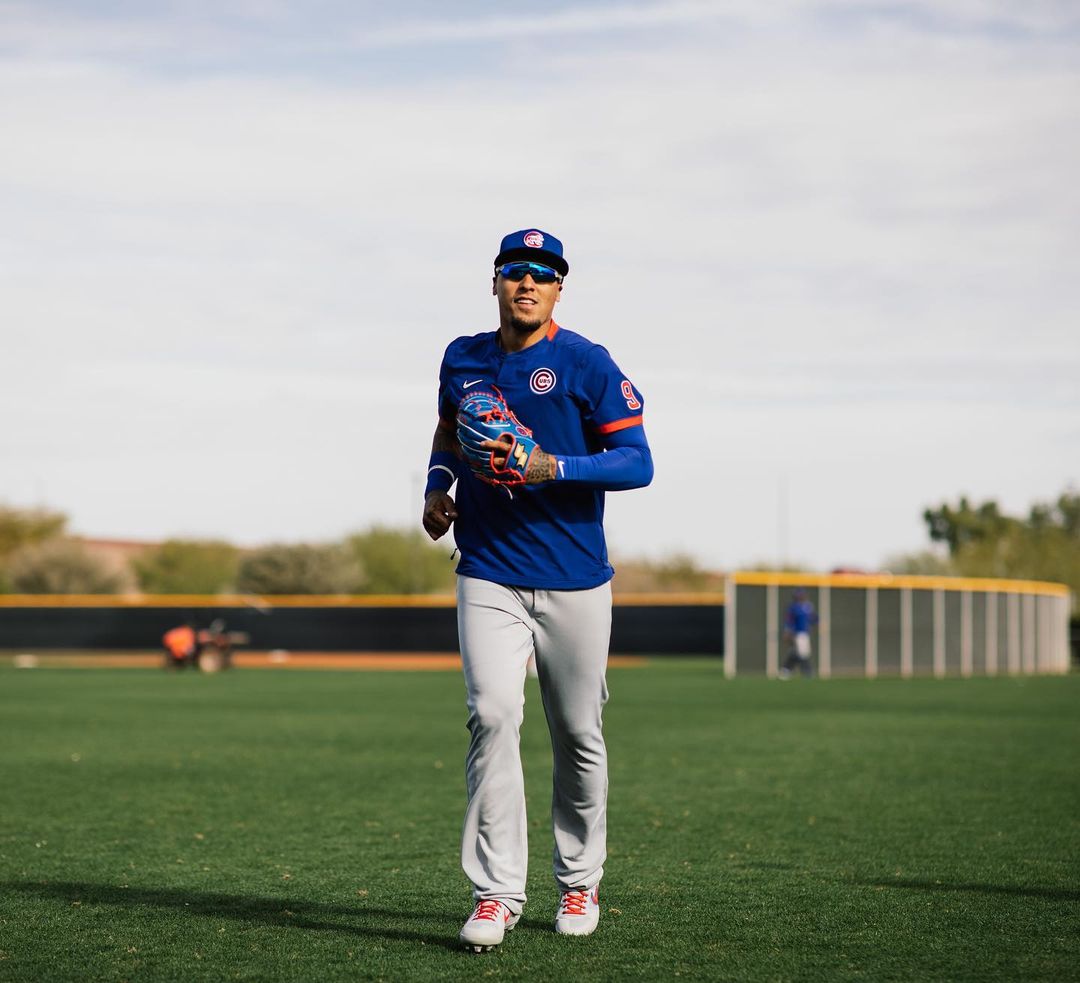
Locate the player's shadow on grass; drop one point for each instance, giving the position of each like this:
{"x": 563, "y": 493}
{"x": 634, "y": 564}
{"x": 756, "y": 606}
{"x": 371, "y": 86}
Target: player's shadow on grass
{"x": 429, "y": 927}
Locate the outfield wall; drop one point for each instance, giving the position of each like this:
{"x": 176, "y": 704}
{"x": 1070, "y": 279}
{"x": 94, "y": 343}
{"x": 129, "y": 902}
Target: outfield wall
{"x": 871, "y": 625}
{"x": 676, "y": 624}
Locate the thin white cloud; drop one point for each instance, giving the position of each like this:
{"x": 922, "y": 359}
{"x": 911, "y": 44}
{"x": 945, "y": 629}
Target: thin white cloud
{"x": 29, "y": 29}
{"x": 583, "y": 20}
{"x": 287, "y": 30}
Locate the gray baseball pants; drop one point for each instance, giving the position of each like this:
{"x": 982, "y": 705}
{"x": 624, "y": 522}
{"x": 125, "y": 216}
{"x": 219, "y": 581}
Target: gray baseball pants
{"x": 499, "y": 627}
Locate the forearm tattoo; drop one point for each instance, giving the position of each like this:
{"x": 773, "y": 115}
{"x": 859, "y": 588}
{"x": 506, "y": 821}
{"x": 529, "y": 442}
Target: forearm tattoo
{"x": 541, "y": 468}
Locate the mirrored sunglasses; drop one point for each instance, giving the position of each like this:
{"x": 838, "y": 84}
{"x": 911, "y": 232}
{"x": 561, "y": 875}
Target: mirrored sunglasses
{"x": 518, "y": 271}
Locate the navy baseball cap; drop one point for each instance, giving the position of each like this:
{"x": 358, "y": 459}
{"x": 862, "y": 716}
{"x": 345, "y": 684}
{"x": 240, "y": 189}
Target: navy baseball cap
{"x": 533, "y": 245}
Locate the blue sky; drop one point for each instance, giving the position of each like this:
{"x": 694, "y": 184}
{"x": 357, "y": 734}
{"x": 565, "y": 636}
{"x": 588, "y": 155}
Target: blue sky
{"x": 837, "y": 246}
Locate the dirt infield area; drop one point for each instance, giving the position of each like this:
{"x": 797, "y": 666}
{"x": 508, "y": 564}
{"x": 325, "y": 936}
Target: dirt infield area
{"x": 370, "y": 661}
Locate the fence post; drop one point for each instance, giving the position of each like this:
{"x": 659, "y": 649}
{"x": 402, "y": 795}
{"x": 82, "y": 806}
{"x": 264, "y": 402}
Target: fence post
{"x": 1064, "y": 653}
{"x": 907, "y": 641}
{"x": 730, "y": 628}
{"x": 1028, "y": 622}
{"x": 825, "y": 632}
{"x": 939, "y": 632}
{"x": 772, "y": 631}
{"x": 871, "y": 633}
{"x": 1013, "y": 611}
{"x": 1042, "y": 627}
{"x": 966, "y": 659}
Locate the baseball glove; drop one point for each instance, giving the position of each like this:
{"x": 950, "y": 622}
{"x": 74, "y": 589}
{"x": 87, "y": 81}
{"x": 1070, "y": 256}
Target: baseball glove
{"x": 483, "y": 415}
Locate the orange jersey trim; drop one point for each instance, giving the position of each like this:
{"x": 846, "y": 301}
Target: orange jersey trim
{"x": 630, "y": 421}
{"x": 552, "y": 331}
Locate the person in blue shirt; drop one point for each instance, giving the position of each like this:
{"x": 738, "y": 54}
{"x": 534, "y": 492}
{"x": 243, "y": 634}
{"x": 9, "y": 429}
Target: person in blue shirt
{"x": 798, "y": 620}
{"x": 533, "y": 582}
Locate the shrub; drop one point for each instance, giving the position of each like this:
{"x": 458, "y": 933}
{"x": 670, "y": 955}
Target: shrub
{"x": 180, "y": 566}
{"x": 60, "y": 566}
{"x": 402, "y": 562}
{"x": 300, "y": 569}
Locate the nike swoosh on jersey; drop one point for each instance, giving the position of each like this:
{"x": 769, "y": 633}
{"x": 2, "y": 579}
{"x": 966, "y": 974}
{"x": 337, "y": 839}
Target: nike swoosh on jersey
{"x": 466, "y": 385}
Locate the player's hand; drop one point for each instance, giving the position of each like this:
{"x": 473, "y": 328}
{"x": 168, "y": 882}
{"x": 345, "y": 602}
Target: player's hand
{"x": 439, "y": 513}
{"x": 541, "y": 465}
{"x": 499, "y": 450}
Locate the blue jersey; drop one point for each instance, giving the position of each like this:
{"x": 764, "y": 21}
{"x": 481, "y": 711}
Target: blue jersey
{"x": 800, "y": 617}
{"x": 573, "y": 397}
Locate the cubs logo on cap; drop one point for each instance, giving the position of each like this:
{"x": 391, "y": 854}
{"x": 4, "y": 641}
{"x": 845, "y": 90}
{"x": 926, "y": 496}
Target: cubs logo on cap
{"x": 533, "y": 245}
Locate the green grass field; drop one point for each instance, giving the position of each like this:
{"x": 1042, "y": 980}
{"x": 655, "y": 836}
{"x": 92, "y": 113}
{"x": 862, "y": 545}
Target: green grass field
{"x": 304, "y": 826}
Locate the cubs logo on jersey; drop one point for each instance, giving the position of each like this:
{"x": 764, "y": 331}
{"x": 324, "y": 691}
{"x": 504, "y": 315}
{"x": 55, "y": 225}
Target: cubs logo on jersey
{"x": 542, "y": 381}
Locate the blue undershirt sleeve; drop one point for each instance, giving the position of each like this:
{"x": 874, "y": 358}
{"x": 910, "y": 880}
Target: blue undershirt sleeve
{"x": 626, "y": 462}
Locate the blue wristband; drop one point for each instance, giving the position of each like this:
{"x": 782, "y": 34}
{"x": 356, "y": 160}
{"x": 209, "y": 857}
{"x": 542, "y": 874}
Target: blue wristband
{"x": 442, "y": 472}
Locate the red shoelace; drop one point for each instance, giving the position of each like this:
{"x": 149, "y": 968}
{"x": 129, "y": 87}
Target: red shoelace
{"x": 488, "y": 910}
{"x": 573, "y": 903}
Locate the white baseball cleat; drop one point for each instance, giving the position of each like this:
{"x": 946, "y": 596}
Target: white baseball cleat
{"x": 579, "y": 912}
{"x": 487, "y": 925}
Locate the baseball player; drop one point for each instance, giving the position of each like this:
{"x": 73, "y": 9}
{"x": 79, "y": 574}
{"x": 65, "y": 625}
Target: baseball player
{"x": 798, "y": 620}
{"x": 536, "y": 423}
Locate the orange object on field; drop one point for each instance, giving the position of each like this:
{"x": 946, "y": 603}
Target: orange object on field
{"x": 180, "y": 641}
